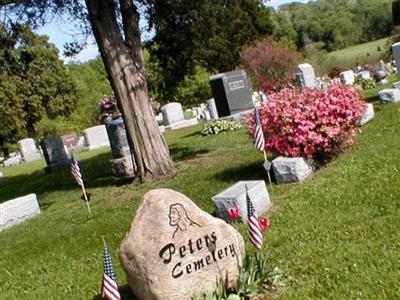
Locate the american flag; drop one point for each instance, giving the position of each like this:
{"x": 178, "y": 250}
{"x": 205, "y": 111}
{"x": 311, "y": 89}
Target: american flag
{"x": 258, "y": 133}
{"x": 109, "y": 286}
{"x": 75, "y": 170}
{"x": 254, "y": 226}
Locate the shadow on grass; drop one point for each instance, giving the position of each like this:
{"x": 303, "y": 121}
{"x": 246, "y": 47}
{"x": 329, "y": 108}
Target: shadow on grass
{"x": 125, "y": 292}
{"x": 183, "y": 153}
{"x": 254, "y": 171}
{"x": 196, "y": 133}
{"x": 96, "y": 172}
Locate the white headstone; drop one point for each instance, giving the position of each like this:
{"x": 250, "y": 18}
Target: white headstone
{"x": 172, "y": 113}
{"x": 212, "y": 108}
{"x": 396, "y": 85}
{"x": 396, "y": 54}
{"x": 290, "y": 169}
{"x": 389, "y": 95}
{"x": 235, "y": 197}
{"x": 18, "y": 210}
{"x": 305, "y": 76}
{"x": 364, "y": 74}
{"x": 28, "y": 149}
{"x": 368, "y": 114}
{"x": 12, "y": 161}
{"x": 347, "y": 77}
{"x": 96, "y": 137}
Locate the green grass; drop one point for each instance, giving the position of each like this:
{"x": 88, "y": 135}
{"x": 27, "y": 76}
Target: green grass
{"x": 360, "y": 54}
{"x": 335, "y": 234}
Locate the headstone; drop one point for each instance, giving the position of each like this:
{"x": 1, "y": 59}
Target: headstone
{"x": 54, "y": 154}
{"x": 389, "y": 95}
{"x": 305, "y": 76}
{"x": 122, "y": 165}
{"x": 364, "y": 74}
{"x": 290, "y": 169}
{"x": 18, "y": 210}
{"x": 182, "y": 124}
{"x": 174, "y": 250}
{"x": 212, "y": 108}
{"x": 347, "y": 77}
{"x": 172, "y": 113}
{"x": 383, "y": 81}
{"x": 96, "y": 137}
{"x": 381, "y": 66}
{"x": 70, "y": 141}
{"x": 235, "y": 197}
{"x": 231, "y": 92}
{"x": 159, "y": 118}
{"x": 396, "y": 85}
{"x": 396, "y": 54}
{"x": 12, "y": 161}
{"x": 207, "y": 115}
{"x": 368, "y": 114}
{"x": 28, "y": 149}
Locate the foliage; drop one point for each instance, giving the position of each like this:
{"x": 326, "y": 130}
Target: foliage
{"x": 337, "y": 24}
{"x": 365, "y": 83}
{"x": 193, "y": 89}
{"x": 218, "y": 126}
{"x": 310, "y": 123}
{"x": 35, "y": 84}
{"x": 396, "y": 12}
{"x": 58, "y": 126}
{"x": 255, "y": 277}
{"x": 271, "y": 64}
{"x": 190, "y": 33}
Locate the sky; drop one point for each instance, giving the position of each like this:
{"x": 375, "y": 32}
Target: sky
{"x": 59, "y": 33}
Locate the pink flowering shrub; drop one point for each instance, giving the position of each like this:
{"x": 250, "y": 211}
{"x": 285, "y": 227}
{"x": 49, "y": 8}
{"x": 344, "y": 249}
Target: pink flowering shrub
{"x": 310, "y": 123}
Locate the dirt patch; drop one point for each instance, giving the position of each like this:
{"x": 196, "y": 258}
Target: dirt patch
{"x": 201, "y": 159}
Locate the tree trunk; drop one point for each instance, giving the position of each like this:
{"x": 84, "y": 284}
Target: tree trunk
{"x": 30, "y": 129}
{"x": 124, "y": 65}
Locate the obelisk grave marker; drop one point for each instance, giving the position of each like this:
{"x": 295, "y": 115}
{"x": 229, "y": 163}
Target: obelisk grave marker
{"x": 174, "y": 250}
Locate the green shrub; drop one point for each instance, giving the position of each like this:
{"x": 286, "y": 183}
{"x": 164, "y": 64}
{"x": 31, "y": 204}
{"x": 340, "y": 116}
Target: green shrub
{"x": 365, "y": 83}
{"x": 215, "y": 127}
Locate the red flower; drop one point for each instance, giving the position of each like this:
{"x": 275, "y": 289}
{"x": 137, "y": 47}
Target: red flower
{"x": 234, "y": 213}
{"x": 264, "y": 224}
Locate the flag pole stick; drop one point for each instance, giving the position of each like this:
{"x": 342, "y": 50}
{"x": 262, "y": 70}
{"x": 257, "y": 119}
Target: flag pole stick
{"x": 265, "y": 158}
{"x": 86, "y": 198}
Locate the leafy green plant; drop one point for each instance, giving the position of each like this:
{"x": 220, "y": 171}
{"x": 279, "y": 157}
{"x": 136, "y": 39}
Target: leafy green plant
{"x": 365, "y": 83}
{"x": 215, "y": 127}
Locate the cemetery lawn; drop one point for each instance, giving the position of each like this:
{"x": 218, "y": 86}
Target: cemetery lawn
{"x": 336, "y": 235}
{"x": 362, "y": 52}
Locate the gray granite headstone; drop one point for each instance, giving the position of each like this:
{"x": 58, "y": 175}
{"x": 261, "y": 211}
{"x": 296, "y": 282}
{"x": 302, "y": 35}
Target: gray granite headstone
{"x": 28, "y": 149}
{"x": 18, "y": 210}
{"x": 305, "y": 76}
{"x": 172, "y": 113}
{"x": 396, "y": 54}
{"x": 368, "y": 115}
{"x": 54, "y": 154}
{"x": 231, "y": 92}
{"x": 347, "y": 77}
{"x": 290, "y": 169}
{"x": 389, "y": 96}
{"x": 212, "y": 108}
{"x": 96, "y": 137}
{"x": 235, "y": 197}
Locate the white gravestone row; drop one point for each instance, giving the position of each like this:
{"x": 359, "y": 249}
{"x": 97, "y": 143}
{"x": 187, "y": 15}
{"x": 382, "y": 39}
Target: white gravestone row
{"x": 174, "y": 118}
{"x": 96, "y": 137}
{"x": 18, "y": 210}
{"x": 28, "y": 150}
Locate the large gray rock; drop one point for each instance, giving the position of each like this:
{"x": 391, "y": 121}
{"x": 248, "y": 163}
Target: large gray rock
{"x": 290, "y": 169}
{"x": 18, "y": 210}
{"x": 235, "y": 197}
{"x": 96, "y": 137}
{"x": 172, "y": 113}
{"x": 174, "y": 250}
{"x": 389, "y": 95}
{"x": 368, "y": 114}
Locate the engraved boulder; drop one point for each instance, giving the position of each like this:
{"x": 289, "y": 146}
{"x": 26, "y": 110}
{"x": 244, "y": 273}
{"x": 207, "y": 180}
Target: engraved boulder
{"x": 175, "y": 250}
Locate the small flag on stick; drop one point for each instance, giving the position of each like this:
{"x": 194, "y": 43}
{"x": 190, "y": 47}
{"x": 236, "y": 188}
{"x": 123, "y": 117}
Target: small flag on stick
{"x": 109, "y": 286}
{"x": 254, "y": 226}
{"x": 76, "y": 173}
{"x": 259, "y": 141}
